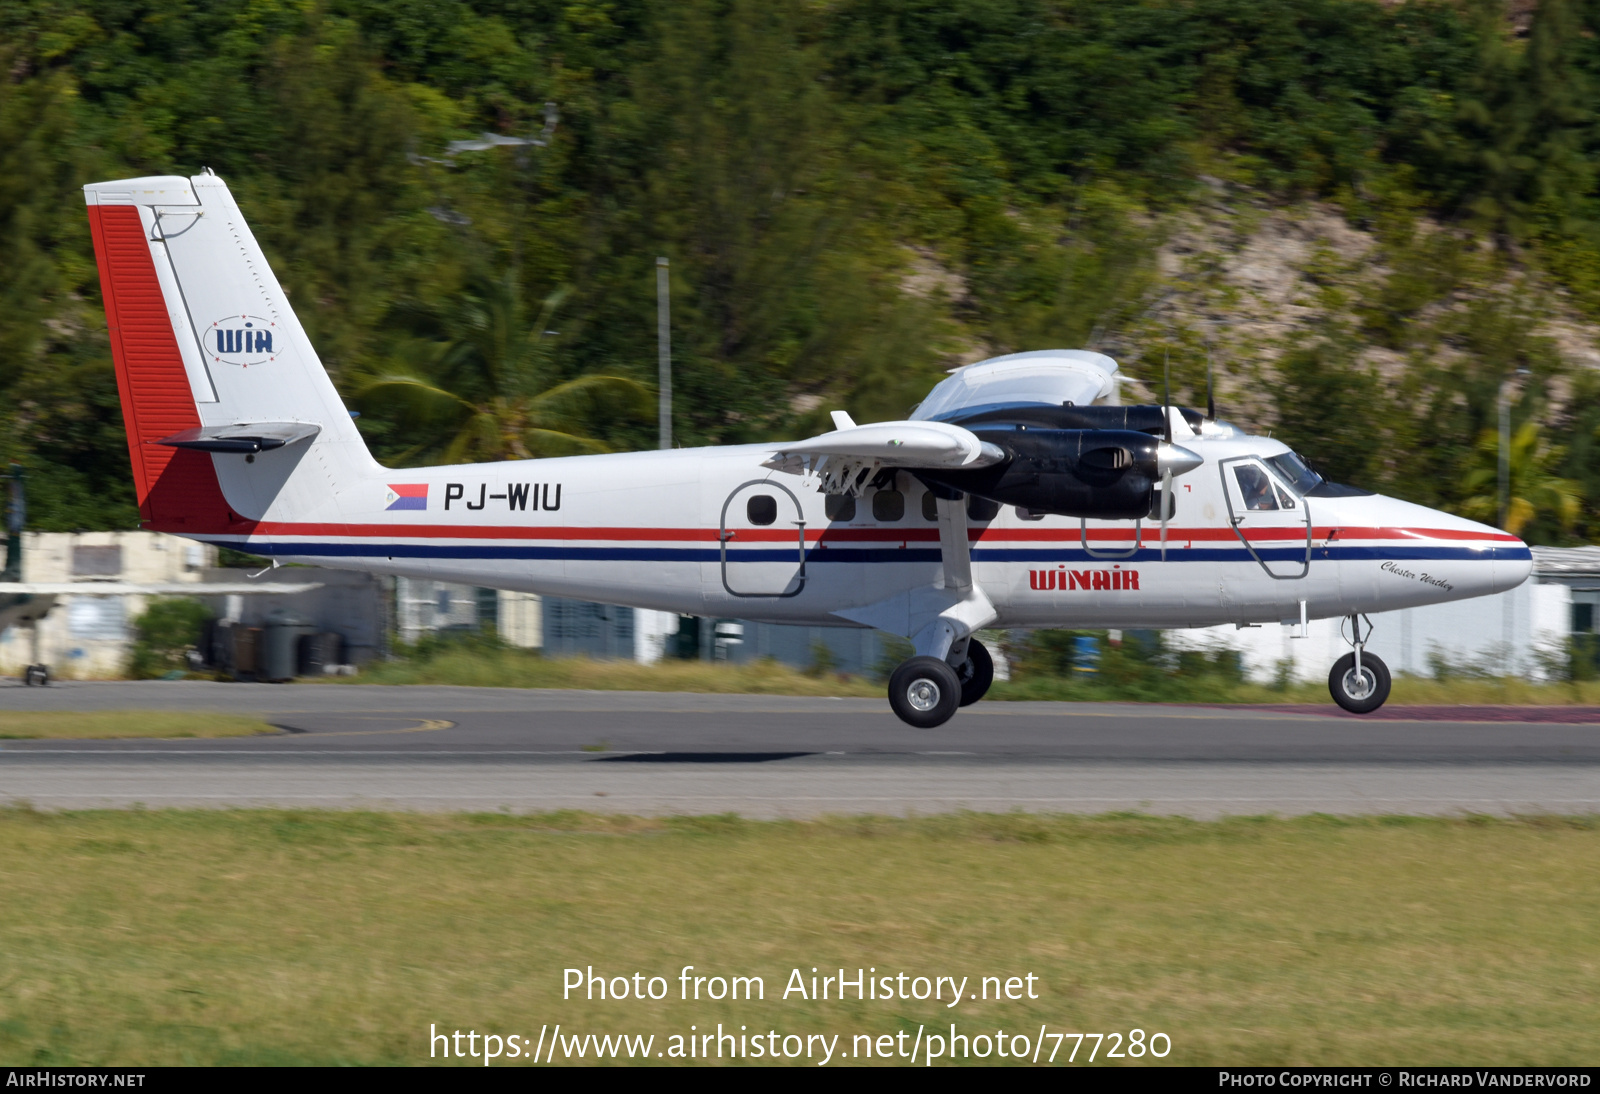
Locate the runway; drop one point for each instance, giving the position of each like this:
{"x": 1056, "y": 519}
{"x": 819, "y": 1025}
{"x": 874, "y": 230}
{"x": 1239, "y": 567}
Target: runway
{"x": 437, "y": 748}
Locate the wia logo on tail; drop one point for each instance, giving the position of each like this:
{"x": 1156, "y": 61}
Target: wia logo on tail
{"x": 242, "y": 340}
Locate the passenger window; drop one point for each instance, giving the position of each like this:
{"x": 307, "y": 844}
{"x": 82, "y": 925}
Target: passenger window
{"x": 1160, "y": 500}
{"x": 982, "y": 509}
{"x": 930, "y": 506}
{"x": 888, "y": 505}
{"x": 1254, "y": 487}
{"x": 762, "y": 509}
{"x": 840, "y": 507}
{"x": 1028, "y": 514}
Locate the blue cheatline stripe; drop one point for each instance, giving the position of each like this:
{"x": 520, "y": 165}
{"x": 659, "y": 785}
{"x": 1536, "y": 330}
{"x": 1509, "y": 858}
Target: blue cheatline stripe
{"x": 1145, "y": 556}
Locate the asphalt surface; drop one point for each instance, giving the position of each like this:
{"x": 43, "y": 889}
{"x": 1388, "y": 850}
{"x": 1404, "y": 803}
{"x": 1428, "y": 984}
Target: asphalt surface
{"x": 438, "y": 748}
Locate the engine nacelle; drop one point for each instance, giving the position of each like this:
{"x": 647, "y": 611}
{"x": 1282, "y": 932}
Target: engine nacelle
{"x": 1104, "y": 474}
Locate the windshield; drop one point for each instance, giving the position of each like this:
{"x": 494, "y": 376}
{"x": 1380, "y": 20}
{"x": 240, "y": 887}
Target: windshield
{"x": 1293, "y": 468}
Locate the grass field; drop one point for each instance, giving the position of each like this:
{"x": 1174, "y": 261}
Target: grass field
{"x": 500, "y": 667}
{"x": 279, "y": 937}
{"x": 107, "y": 724}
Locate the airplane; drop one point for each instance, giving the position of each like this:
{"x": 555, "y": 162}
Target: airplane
{"x": 1018, "y": 494}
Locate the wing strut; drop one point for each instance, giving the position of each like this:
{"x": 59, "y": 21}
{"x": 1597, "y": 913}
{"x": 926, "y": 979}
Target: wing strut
{"x": 954, "y": 546}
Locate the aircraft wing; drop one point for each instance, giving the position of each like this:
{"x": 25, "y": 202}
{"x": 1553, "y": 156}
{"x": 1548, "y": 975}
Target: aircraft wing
{"x": 127, "y": 588}
{"x": 847, "y": 459}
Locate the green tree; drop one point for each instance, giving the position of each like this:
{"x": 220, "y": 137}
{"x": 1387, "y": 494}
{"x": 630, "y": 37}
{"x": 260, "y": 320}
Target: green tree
{"x": 1534, "y": 486}
{"x": 485, "y": 391}
{"x": 167, "y": 629}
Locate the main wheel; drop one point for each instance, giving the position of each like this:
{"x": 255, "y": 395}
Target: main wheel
{"x": 1363, "y": 693}
{"x": 36, "y": 674}
{"x": 976, "y": 673}
{"x": 924, "y": 692}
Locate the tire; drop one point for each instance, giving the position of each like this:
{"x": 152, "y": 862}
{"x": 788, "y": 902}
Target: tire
{"x": 1342, "y": 683}
{"x": 37, "y": 674}
{"x": 976, "y": 673}
{"x": 924, "y": 692}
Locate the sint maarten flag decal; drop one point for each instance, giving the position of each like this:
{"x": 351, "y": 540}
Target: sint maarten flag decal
{"x": 407, "y": 495}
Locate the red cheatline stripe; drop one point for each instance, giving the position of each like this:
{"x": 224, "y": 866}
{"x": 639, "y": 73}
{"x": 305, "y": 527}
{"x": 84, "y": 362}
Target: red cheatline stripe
{"x": 1046, "y": 537}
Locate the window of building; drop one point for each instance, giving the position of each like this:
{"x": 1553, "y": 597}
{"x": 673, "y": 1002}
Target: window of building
{"x": 97, "y": 617}
{"x": 888, "y": 505}
{"x": 761, "y": 509}
{"x": 1583, "y": 619}
{"x": 840, "y": 507}
{"x": 96, "y": 561}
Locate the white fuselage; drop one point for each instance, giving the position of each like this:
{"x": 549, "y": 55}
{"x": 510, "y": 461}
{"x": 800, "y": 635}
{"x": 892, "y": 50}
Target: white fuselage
{"x": 673, "y": 531}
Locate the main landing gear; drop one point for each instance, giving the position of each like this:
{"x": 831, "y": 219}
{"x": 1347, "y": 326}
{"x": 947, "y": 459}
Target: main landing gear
{"x": 1359, "y": 680}
{"x": 926, "y": 691}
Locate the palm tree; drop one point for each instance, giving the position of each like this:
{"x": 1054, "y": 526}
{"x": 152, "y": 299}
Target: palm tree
{"x": 1533, "y": 488}
{"x": 479, "y": 393}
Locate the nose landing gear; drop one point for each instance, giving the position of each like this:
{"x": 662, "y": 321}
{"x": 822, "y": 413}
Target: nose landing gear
{"x": 926, "y": 691}
{"x": 1359, "y": 680}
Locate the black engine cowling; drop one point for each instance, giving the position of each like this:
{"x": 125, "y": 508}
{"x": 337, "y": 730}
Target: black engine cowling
{"x": 1104, "y": 474}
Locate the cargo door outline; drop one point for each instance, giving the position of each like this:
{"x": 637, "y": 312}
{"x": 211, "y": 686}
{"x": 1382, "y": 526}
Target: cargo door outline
{"x": 1239, "y": 518}
{"x": 761, "y": 576}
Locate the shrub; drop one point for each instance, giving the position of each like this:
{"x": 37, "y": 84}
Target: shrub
{"x": 167, "y": 630}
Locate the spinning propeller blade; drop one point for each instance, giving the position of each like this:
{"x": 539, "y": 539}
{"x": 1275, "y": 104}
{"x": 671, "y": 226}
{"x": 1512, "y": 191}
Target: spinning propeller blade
{"x": 1166, "y": 421}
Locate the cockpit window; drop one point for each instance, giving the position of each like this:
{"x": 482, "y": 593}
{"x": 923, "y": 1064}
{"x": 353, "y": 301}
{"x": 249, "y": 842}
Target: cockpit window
{"x": 1293, "y": 468}
{"x": 1254, "y": 487}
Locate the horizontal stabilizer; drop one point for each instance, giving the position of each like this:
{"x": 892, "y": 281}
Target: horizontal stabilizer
{"x": 174, "y": 588}
{"x": 847, "y": 459}
{"x": 243, "y": 437}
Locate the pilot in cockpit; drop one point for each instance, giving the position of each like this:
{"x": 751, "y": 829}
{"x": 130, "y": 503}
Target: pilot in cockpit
{"x": 1256, "y": 489}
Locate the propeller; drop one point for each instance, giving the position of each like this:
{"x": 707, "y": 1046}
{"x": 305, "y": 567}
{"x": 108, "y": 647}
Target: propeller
{"x": 1166, "y": 422}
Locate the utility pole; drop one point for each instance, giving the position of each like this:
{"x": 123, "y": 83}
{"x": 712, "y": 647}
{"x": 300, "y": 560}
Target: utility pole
{"x": 664, "y": 350}
{"x": 1504, "y": 495}
{"x": 16, "y": 518}
{"x": 1504, "y": 490}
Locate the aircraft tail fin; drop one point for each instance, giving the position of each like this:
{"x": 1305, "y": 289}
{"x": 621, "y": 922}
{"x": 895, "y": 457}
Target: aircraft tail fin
{"x": 205, "y": 343}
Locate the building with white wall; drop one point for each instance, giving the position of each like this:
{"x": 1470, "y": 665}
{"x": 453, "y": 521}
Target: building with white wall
{"x": 424, "y": 607}
{"x": 1515, "y": 633}
{"x": 90, "y": 636}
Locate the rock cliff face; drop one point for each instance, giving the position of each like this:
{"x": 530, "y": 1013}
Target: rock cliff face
{"x": 1246, "y": 282}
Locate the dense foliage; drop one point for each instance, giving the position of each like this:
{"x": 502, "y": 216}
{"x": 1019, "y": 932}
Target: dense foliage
{"x": 853, "y": 194}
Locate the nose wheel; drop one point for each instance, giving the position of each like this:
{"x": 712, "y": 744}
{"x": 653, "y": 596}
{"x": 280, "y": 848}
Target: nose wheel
{"x": 1359, "y": 681}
